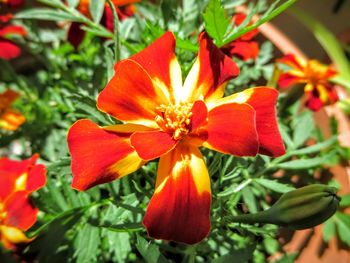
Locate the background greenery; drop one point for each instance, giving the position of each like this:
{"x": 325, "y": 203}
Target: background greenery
{"x": 59, "y": 85}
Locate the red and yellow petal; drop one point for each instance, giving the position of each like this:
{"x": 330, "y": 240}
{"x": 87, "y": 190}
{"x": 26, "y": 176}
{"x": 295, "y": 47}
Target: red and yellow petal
{"x": 99, "y": 156}
{"x": 11, "y": 171}
{"x": 209, "y": 74}
{"x": 152, "y": 144}
{"x": 263, "y": 100}
{"x": 293, "y": 61}
{"x": 320, "y": 95}
{"x": 160, "y": 63}
{"x": 180, "y": 207}
{"x": 131, "y": 95}
{"x": 11, "y": 120}
{"x": 288, "y": 79}
{"x": 231, "y": 129}
{"x": 36, "y": 178}
{"x": 8, "y": 50}
{"x": 20, "y": 212}
{"x": 10, "y": 237}
{"x": 22, "y": 175}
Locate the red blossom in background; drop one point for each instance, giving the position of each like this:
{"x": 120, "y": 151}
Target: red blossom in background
{"x": 8, "y": 49}
{"x": 318, "y": 90}
{"x": 10, "y": 119}
{"x": 245, "y": 47}
{"x": 17, "y": 214}
{"x": 124, "y": 8}
{"x": 170, "y": 119}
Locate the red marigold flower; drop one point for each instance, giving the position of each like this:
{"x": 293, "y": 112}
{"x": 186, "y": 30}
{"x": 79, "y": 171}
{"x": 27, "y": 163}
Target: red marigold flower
{"x": 8, "y": 49}
{"x": 17, "y": 214}
{"x": 168, "y": 119}
{"x": 124, "y": 8}
{"x": 319, "y": 91}
{"x": 10, "y": 119}
{"x": 244, "y": 47}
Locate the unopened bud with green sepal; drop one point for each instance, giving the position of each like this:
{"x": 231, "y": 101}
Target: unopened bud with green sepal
{"x": 299, "y": 209}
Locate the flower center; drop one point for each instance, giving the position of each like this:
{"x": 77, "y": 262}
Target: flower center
{"x": 175, "y": 119}
{"x": 315, "y": 72}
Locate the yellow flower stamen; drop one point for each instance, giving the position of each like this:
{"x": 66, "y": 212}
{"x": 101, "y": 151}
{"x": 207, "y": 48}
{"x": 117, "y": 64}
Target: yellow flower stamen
{"x": 175, "y": 119}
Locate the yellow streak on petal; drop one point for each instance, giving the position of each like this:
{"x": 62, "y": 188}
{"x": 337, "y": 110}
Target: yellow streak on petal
{"x": 176, "y": 80}
{"x": 10, "y": 120}
{"x": 127, "y": 128}
{"x": 129, "y": 164}
{"x": 309, "y": 87}
{"x": 190, "y": 83}
{"x": 323, "y": 93}
{"x": 182, "y": 159}
{"x": 21, "y": 182}
{"x": 13, "y": 235}
{"x": 240, "y": 97}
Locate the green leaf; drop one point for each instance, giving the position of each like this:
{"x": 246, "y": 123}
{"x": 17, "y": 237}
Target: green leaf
{"x": 305, "y": 163}
{"x": 46, "y": 14}
{"x": 315, "y": 148}
{"x": 87, "y": 243}
{"x": 343, "y": 227}
{"x": 149, "y": 251}
{"x": 88, "y": 105}
{"x": 328, "y": 230}
{"x": 274, "y": 185}
{"x": 304, "y": 125}
{"x": 345, "y": 200}
{"x": 96, "y": 8}
{"x": 272, "y": 14}
{"x": 249, "y": 199}
{"x": 216, "y": 21}
{"x": 328, "y": 41}
{"x": 119, "y": 244}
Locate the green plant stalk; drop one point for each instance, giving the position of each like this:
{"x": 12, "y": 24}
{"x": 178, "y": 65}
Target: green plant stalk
{"x": 116, "y": 31}
{"x": 247, "y": 29}
{"x": 330, "y": 44}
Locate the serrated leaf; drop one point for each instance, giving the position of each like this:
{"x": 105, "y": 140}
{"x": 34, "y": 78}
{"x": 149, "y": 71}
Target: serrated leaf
{"x": 316, "y": 147}
{"x": 149, "y": 251}
{"x": 274, "y": 185}
{"x": 96, "y": 8}
{"x": 119, "y": 244}
{"x": 305, "y": 163}
{"x": 215, "y": 21}
{"x": 46, "y": 14}
{"x": 87, "y": 242}
{"x": 304, "y": 125}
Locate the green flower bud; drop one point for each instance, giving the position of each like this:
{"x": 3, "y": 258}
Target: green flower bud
{"x": 303, "y": 208}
